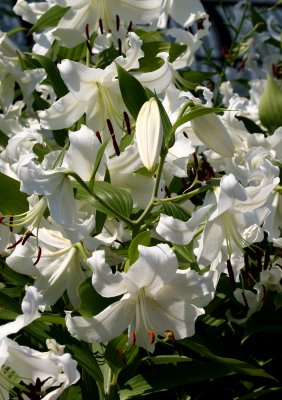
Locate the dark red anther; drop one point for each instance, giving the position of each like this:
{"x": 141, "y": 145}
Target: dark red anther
{"x": 11, "y": 220}
{"x": 167, "y": 192}
{"x": 231, "y": 274}
{"x": 245, "y": 300}
{"x": 87, "y": 31}
{"x": 117, "y": 22}
{"x": 12, "y": 246}
{"x": 127, "y": 122}
{"x": 2, "y": 217}
{"x": 101, "y": 26}
{"x": 89, "y": 47}
{"x": 38, "y": 256}
{"x": 129, "y": 29}
{"x": 266, "y": 258}
{"x": 119, "y": 47}
{"x": 110, "y": 126}
{"x": 111, "y": 129}
{"x": 152, "y": 336}
{"x": 98, "y": 136}
{"x": 133, "y": 337}
{"x": 185, "y": 135}
{"x": 26, "y": 237}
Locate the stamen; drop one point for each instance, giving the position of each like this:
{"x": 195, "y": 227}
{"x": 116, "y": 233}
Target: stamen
{"x": 266, "y": 258}
{"x": 245, "y": 300}
{"x": 101, "y": 26}
{"x": 11, "y": 220}
{"x": 231, "y": 274}
{"x": 12, "y": 246}
{"x": 119, "y": 47}
{"x": 127, "y": 122}
{"x": 167, "y": 192}
{"x": 170, "y": 335}
{"x": 87, "y": 31}
{"x": 26, "y": 237}
{"x": 111, "y": 129}
{"x": 38, "y": 256}
{"x": 152, "y": 336}
{"x": 98, "y": 136}
{"x": 133, "y": 337}
{"x": 2, "y": 217}
{"x": 117, "y": 22}
{"x": 185, "y": 135}
{"x": 129, "y": 29}
{"x": 89, "y": 47}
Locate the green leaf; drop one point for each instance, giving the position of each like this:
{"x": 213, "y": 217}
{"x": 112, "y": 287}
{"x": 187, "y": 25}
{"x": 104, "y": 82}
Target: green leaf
{"x": 195, "y": 112}
{"x": 112, "y": 200}
{"x": 169, "y": 377}
{"x": 162, "y": 360}
{"x": 53, "y": 74}
{"x": 143, "y": 238}
{"x": 12, "y": 201}
{"x": 175, "y": 211}
{"x": 133, "y": 93}
{"x": 76, "y": 53}
{"x": 71, "y": 393}
{"x": 49, "y": 19}
{"x": 191, "y": 79}
{"x": 270, "y": 105}
{"x": 91, "y": 302}
{"x": 106, "y": 57}
{"x": 250, "y": 125}
{"x": 232, "y": 364}
{"x": 185, "y": 254}
{"x": 151, "y": 50}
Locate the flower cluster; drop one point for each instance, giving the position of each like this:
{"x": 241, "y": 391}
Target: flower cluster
{"x": 130, "y": 189}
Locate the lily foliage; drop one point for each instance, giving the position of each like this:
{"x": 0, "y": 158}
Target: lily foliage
{"x": 141, "y": 209}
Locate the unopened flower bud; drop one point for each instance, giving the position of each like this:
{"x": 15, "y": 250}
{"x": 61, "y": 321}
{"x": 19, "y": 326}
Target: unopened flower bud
{"x": 211, "y": 131}
{"x": 149, "y": 133}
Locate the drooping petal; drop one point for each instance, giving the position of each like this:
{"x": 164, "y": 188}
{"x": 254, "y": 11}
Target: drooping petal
{"x": 104, "y": 281}
{"x": 63, "y": 113}
{"x": 104, "y": 326}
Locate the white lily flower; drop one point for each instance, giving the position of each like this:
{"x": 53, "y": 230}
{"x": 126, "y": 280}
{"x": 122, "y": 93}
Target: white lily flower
{"x": 156, "y": 298}
{"x": 149, "y": 133}
{"x": 233, "y": 220}
{"x": 43, "y": 370}
{"x": 102, "y": 13}
{"x": 55, "y": 262}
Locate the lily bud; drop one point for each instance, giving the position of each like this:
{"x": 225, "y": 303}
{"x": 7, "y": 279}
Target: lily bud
{"x": 149, "y": 133}
{"x": 211, "y": 131}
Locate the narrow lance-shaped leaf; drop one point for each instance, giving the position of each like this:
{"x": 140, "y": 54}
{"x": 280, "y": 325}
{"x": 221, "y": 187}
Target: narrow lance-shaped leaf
{"x": 53, "y": 74}
{"x": 12, "y": 201}
{"x": 49, "y": 19}
{"x": 133, "y": 93}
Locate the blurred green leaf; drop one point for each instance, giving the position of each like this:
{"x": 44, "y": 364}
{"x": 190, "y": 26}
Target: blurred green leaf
{"x": 235, "y": 365}
{"x": 270, "y": 105}
{"x": 53, "y": 74}
{"x": 12, "y": 201}
{"x": 49, "y": 19}
{"x": 166, "y": 377}
{"x": 143, "y": 238}
{"x": 175, "y": 211}
{"x": 91, "y": 302}
{"x": 133, "y": 93}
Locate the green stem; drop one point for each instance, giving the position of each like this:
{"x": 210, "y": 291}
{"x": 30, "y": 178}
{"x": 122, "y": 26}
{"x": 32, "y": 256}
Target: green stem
{"x": 183, "y": 197}
{"x": 226, "y": 59}
{"x": 138, "y": 222}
